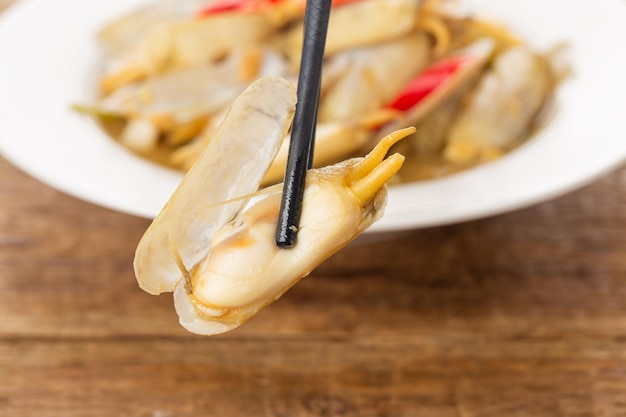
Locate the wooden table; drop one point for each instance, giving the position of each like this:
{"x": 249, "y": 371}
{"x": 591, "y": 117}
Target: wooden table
{"x": 518, "y": 315}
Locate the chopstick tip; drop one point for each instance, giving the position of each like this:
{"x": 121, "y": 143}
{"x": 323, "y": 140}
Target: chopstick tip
{"x": 286, "y": 237}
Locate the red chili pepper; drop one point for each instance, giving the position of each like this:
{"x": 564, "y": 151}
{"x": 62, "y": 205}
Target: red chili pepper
{"x": 337, "y": 3}
{"x": 427, "y": 82}
{"x": 238, "y": 5}
{"x": 252, "y": 6}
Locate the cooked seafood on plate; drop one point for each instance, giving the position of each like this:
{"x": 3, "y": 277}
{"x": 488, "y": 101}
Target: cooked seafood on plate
{"x": 214, "y": 249}
{"x": 574, "y": 138}
{"x": 472, "y": 88}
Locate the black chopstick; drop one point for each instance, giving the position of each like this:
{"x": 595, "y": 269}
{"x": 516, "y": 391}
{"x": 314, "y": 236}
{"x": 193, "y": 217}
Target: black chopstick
{"x": 303, "y": 130}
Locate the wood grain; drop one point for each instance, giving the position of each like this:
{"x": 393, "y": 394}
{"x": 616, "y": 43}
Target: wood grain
{"x": 518, "y": 315}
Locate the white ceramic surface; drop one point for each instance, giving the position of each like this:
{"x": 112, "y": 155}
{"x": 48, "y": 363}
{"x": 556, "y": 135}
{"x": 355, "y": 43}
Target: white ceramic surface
{"x": 49, "y": 60}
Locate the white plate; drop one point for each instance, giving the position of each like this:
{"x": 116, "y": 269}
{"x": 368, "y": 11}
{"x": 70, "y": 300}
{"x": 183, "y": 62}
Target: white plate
{"x": 49, "y": 60}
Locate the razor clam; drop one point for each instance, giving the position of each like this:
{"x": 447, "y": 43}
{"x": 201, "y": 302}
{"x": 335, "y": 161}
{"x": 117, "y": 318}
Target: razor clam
{"x": 359, "y": 23}
{"x": 501, "y": 108}
{"x": 216, "y": 251}
{"x": 475, "y": 58}
{"x": 185, "y": 43}
{"x": 173, "y": 101}
{"x": 117, "y": 35}
{"x": 433, "y": 115}
{"x": 372, "y": 76}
